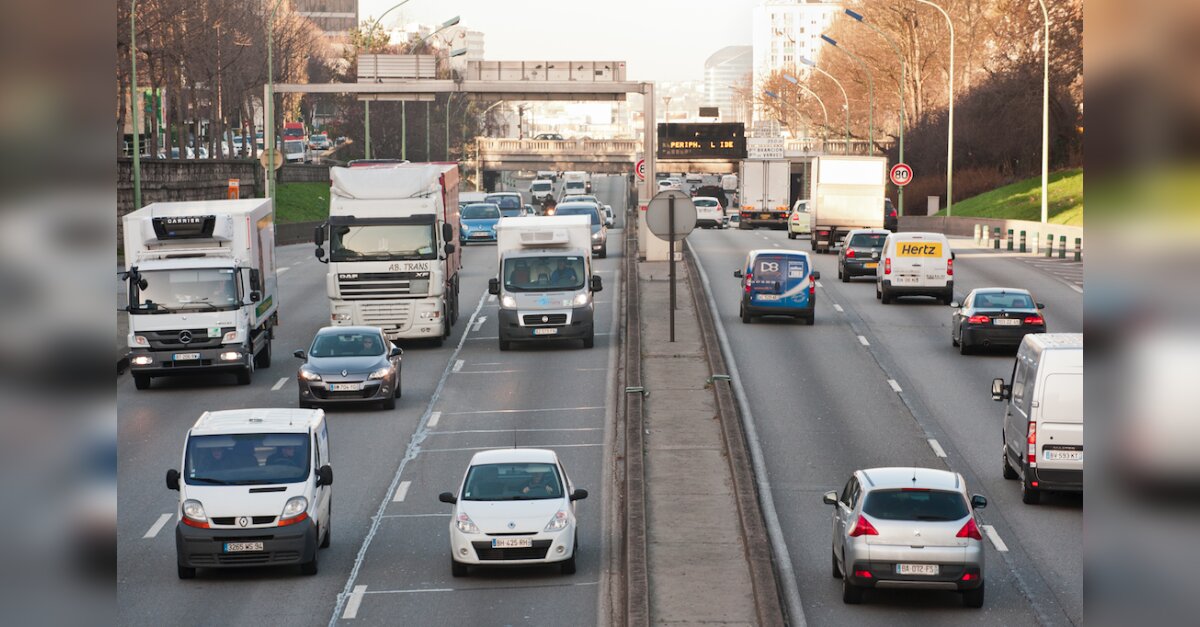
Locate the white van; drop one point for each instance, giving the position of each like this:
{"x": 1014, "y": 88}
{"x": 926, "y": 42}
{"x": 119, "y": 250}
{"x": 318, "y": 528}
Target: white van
{"x": 1043, "y": 415}
{"x": 255, "y": 490}
{"x": 915, "y": 264}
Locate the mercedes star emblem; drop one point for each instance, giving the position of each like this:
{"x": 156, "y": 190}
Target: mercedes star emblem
{"x": 545, "y": 319}
{"x": 185, "y": 337}
{"x": 243, "y": 521}
{"x": 512, "y": 525}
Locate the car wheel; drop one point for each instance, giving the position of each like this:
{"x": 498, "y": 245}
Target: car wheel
{"x": 791, "y": 235}
{"x": 964, "y": 347}
{"x": 328, "y": 531}
{"x": 505, "y": 345}
{"x": 878, "y": 293}
{"x": 309, "y": 568}
{"x": 745, "y": 315}
{"x": 836, "y": 571}
{"x": 885, "y": 296}
{"x": 141, "y": 381}
{"x": 263, "y": 358}
{"x": 1009, "y": 472}
{"x": 954, "y": 340}
{"x": 458, "y": 569}
{"x": 390, "y": 402}
{"x": 843, "y": 274}
{"x": 399, "y": 391}
{"x": 851, "y": 594}
{"x": 1029, "y": 494}
{"x": 590, "y": 340}
{"x": 186, "y": 572}
{"x": 973, "y": 598}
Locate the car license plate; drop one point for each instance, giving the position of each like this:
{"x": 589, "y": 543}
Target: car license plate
{"x": 241, "y": 547}
{"x": 511, "y": 543}
{"x": 1062, "y": 456}
{"x": 479, "y": 235}
{"x": 916, "y": 569}
{"x": 905, "y": 280}
{"x": 545, "y": 331}
{"x": 871, "y": 266}
{"x": 186, "y": 356}
{"x": 768, "y": 296}
{"x": 1006, "y": 322}
{"x": 345, "y": 387}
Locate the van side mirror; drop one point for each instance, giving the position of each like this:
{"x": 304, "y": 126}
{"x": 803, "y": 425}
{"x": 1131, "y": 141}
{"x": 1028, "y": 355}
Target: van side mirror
{"x": 299, "y": 355}
{"x": 816, "y": 276}
{"x": 597, "y": 284}
{"x": 494, "y": 287}
{"x": 325, "y": 475}
{"x": 447, "y": 232}
{"x": 319, "y": 235}
{"x": 1000, "y": 392}
{"x": 255, "y": 279}
{"x": 449, "y": 248}
{"x": 173, "y": 479}
{"x": 737, "y": 274}
{"x": 978, "y": 501}
{"x": 955, "y": 304}
{"x": 579, "y": 494}
{"x": 320, "y": 253}
{"x": 255, "y": 296}
{"x": 953, "y": 254}
{"x": 446, "y": 497}
{"x": 830, "y": 498}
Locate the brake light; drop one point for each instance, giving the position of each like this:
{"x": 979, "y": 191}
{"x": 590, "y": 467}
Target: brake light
{"x": 863, "y": 528}
{"x": 850, "y": 254}
{"x": 795, "y": 217}
{"x": 892, "y": 213}
{"x": 1032, "y": 440}
{"x": 862, "y": 574}
{"x": 749, "y": 278}
{"x": 970, "y": 577}
{"x": 1035, "y": 320}
{"x": 887, "y": 265}
{"x": 978, "y": 320}
{"x": 812, "y": 285}
{"x": 199, "y": 524}
{"x": 950, "y": 267}
{"x": 970, "y": 530}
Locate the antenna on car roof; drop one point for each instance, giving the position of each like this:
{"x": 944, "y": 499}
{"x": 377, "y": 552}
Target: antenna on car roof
{"x": 914, "y": 479}
{"x": 514, "y": 437}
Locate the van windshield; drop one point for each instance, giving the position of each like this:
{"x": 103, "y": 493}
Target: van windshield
{"x": 505, "y": 201}
{"x": 246, "y": 459}
{"x": 540, "y": 274}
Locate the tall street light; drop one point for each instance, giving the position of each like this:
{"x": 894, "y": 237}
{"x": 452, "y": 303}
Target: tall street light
{"x": 269, "y": 106}
{"x": 825, "y": 112}
{"x": 950, "y": 122}
{"x": 813, "y": 65}
{"x": 1045, "y": 108}
{"x": 870, "y": 87}
{"x": 135, "y": 104}
{"x": 787, "y": 104}
{"x": 903, "y": 77}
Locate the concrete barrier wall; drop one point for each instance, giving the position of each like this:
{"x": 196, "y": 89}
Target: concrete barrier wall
{"x": 303, "y": 173}
{"x": 294, "y": 233}
{"x": 965, "y": 227}
{"x": 185, "y": 179}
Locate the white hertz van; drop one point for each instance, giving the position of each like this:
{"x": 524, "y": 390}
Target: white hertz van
{"x": 254, "y": 491}
{"x": 1043, "y": 415}
{"x": 915, "y": 264}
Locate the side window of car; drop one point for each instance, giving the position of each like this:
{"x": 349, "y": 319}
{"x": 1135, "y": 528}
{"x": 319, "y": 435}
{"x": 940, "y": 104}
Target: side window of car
{"x": 1020, "y": 386}
{"x": 855, "y": 494}
{"x": 845, "y": 499}
{"x": 970, "y": 302}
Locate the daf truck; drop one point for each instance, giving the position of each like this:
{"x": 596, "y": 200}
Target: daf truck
{"x": 201, "y": 288}
{"x": 765, "y": 185}
{"x": 392, "y": 259}
{"x": 848, "y": 193}
{"x": 545, "y": 284}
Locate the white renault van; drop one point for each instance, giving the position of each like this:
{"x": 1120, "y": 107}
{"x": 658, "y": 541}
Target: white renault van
{"x": 254, "y": 491}
{"x": 1043, "y": 415}
{"x": 915, "y": 264}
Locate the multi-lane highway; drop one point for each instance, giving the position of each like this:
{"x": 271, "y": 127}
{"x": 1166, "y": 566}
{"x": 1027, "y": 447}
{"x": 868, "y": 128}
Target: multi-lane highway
{"x": 873, "y": 385}
{"x": 389, "y": 559}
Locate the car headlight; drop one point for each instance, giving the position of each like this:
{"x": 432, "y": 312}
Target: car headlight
{"x": 596, "y": 235}
{"x": 294, "y": 511}
{"x": 582, "y": 299}
{"x": 508, "y": 302}
{"x": 381, "y": 373}
{"x": 193, "y": 513}
{"x": 231, "y": 336}
{"x": 561, "y": 518}
{"x": 466, "y": 228}
{"x": 465, "y": 524}
{"x": 309, "y": 375}
{"x": 141, "y": 340}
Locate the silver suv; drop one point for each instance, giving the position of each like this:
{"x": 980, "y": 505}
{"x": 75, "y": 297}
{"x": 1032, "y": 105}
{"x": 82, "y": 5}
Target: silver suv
{"x": 907, "y": 528}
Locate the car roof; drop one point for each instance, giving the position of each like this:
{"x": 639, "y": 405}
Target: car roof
{"x": 869, "y": 232}
{"x": 1056, "y": 340}
{"x": 504, "y": 193}
{"x": 918, "y": 235}
{"x": 331, "y": 330}
{"x": 999, "y": 290}
{"x": 481, "y": 204}
{"x": 259, "y": 420}
{"x": 576, "y": 203}
{"x": 695, "y": 198}
{"x": 514, "y": 455}
{"x": 902, "y": 477}
{"x": 777, "y": 251}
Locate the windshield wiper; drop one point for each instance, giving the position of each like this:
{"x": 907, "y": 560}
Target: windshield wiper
{"x": 204, "y": 302}
{"x": 153, "y": 308}
{"x": 208, "y": 480}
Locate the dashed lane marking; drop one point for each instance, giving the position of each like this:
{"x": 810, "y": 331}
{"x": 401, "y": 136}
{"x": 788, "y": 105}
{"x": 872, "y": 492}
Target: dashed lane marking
{"x": 279, "y": 384}
{"x": 838, "y": 308}
{"x": 279, "y": 271}
{"x": 401, "y": 492}
{"x": 895, "y": 386}
{"x": 457, "y": 365}
{"x": 862, "y": 340}
{"x": 937, "y": 448}
{"x": 356, "y": 598}
{"x": 479, "y": 323}
{"x": 997, "y": 542}
{"x": 158, "y": 525}
{"x": 434, "y": 418}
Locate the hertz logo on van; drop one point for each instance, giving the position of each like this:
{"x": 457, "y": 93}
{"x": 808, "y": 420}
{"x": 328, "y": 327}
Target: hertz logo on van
{"x": 919, "y": 249}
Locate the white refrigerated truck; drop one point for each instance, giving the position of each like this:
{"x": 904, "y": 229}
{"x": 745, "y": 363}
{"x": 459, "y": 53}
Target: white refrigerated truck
{"x": 202, "y": 295}
{"x": 545, "y": 283}
{"x": 763, "y": 196}
{"x": 848, "y": 193}
{"x": 392, "y": 258}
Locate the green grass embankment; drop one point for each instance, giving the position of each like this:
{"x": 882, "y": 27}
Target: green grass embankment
{"x": 1023, "y": 200}
{"x": 301, "y": 202}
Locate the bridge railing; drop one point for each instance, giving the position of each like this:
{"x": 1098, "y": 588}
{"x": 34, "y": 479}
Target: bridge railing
{"x": 552, "y": 146}
{"x": 833, "y": 146}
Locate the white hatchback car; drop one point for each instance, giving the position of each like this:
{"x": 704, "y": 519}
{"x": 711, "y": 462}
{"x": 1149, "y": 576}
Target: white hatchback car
{"x": 515, "y": 507}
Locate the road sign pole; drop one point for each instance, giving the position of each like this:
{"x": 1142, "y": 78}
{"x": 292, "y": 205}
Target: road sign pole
{"x": 671, "y": 244}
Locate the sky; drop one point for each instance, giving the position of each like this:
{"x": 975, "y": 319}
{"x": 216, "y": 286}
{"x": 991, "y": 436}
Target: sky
{"x": 660, "y": 40}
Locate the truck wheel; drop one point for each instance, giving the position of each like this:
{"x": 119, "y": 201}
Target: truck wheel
{"x": 141, "y": 381}
{"x": 590, "y": 340}
{"x": 505, "y": 345}
{"x": 186, "y": 572}
{"x": 812, "y": 241}
{"x": 263, "y": 358}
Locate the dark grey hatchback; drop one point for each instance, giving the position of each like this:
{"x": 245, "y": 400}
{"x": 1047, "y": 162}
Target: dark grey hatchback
{"x": 859, "y": 254}
{"x": 349, "y": 365}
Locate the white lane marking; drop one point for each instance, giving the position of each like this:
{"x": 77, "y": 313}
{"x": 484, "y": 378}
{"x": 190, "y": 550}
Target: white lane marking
{"x": 401, "y": 492}
{"x": 491, "y": 298}
{"x": 434, "y": 418}
{"x": 895, "y": 386}
{"x": 479, "y": 323}
{"x": 416, "y": 590}
{"x": 838, "y": 308}
{"x": 457, "y": 366}
{"x": 487, "y": 371}
{"x": 997, "y": 542}
{"x": 1075, "y": 287}
{"x": 279, "y": 271}
{"x": 158, "y": 525}
{"x": 560, "y": 429}
{"x": 519, "y": 411}
{"x": 279, "y": 384}
{"x": 415, "y": 515}
{"x": 820, "y": 284}
{"x": 862, "y": 340}
{"x": 488, "y": 448}
{"x": 356, "y": 598}
{"x": 937, "y": 448}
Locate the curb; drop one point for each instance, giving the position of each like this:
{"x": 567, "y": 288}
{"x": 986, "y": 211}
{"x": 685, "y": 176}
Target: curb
{"x": 636, "y": 580}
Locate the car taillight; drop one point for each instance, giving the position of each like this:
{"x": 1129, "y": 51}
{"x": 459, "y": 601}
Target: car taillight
{"x": 863, "y": 528}
{"x": 970, "y": 530}
{"x": 812, "y": 285}
{"x": 1032, "y": 439}
{"x": 892, "y": 213}
{"x": 949, "y": 267}
{"x": 887, "y": 265}
{"x": 850, "y": 254}
{"x": 749, "y": 278}
{"x": 1035, "y": 320}
{"x": 978, "y": 320}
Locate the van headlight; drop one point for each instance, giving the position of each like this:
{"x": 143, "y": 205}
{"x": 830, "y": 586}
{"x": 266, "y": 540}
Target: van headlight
{"x": 508, "y": 302}
{"x": 294, "y": 511}
{"x": 465, "y": 524}
{"x": 381, "y": 373}
{"x": 193, "y": 514}
{"x": 582, "y": 299}
{"x": 560, "y": 521}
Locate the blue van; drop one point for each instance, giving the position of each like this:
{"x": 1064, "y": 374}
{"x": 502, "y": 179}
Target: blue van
{"x": 778, "y": 282}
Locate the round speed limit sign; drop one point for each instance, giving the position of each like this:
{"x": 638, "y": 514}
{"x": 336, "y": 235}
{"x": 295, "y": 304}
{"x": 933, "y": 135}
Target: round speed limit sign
{"x": 901, "y": 174}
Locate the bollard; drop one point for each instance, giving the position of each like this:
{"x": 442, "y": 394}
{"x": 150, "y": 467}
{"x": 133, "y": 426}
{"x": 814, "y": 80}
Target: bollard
{"x": 1010, "y": 240}
{"x": 1049, "y": 245}
{"x": 1022, "y": 241}
{"x": 977, "y": 232}
{"x": 1062, "y": 246}
{"x": 996, "y": 238}
{"x": 1078, "y": 249}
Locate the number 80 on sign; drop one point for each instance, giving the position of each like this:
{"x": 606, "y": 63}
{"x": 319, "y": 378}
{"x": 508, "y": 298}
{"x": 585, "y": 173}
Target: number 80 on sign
{"x": 901, "y": 174}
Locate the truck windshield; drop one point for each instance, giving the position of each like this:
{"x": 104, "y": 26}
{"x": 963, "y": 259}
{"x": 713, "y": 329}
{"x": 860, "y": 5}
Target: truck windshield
{"x": 541, "y": 274}
{"x": 188, "y": 289}
{"x": 246, "y": 459}
{"x": 381, "y": 242}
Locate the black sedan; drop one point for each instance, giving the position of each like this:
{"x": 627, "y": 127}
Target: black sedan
{"x": 859, "y": 254}
{"x": 349, "y": 365}
{"x": 995, "y": 316}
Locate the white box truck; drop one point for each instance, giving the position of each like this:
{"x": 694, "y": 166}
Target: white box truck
{"x": 392, "y": 259}
{"x": 765, "y": 185}
{"x": 848, "y": 193}
{"x": 202, "y": 295}
{"x": 545, "y": 283}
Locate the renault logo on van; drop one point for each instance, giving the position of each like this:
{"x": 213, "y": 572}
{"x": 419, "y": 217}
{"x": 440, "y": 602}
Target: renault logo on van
{"x": 243, "y": 521}
{"x": 512, "y": 525}
{"x": 185, "y": 337}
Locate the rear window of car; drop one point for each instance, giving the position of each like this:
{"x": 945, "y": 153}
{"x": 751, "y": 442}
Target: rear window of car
{"x": 505, "y": 201}
{"x": 1003, "y": 301}
{"x": 779, "y": 267}
{"x": 915, "y": 504}
{"x": 578, "y": 210}
{"x": 868, "y": 240}
{"x": 705, "y": 202}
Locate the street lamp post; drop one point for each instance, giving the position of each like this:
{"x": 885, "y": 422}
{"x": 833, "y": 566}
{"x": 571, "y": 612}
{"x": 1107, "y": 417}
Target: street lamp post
{"x": 134, "y": 105}
{"x": 870, "y": 87}
{"x": 1045, "y": 108}
{"x": 950, "y": 113}
{"x": 367, "y": 103}
{"x": 269, "y": 105}
{"x": 785, "y": 103}
{"x": 825, "y": 112}
{"x": 813, "y": 65}
{"x": 903, "y": 78}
